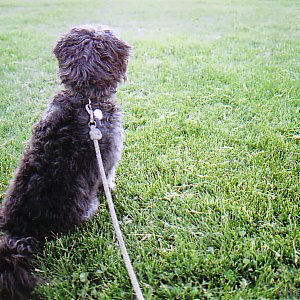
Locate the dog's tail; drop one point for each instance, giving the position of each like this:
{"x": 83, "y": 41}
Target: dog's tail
{"x": 16, "y": 278}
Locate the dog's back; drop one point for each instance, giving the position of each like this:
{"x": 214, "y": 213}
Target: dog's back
{"x": 58, "y": 177}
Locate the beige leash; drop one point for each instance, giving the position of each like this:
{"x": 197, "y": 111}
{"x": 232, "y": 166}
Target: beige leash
{"x": 95, "y": 135}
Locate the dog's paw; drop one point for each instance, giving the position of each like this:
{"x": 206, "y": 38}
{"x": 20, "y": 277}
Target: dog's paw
{"x": 92, "y": 210}
{"x": 112, "y": 186}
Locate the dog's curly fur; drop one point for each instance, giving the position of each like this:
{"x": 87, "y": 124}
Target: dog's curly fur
{"x": 56, "y": 183}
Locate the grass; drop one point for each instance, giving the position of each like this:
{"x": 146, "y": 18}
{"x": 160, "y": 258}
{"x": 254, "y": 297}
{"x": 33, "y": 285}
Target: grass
{"x": 208, "y": 187}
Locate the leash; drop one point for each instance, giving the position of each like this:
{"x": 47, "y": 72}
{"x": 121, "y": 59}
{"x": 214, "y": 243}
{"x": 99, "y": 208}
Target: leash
{"x": 95, "y": 136}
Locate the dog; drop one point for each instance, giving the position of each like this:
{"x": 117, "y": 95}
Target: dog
{"x": 55, "y": 185}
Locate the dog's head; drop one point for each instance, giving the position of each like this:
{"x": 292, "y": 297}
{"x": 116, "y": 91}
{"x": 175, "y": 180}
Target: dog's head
{"x": 92, "y": 60}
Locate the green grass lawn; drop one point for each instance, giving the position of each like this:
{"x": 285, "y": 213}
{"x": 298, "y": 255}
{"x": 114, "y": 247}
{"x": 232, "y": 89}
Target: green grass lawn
{"x": 208, "y": 187}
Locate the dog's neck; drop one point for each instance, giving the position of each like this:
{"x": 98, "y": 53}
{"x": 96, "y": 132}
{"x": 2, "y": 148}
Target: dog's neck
{"x": 93, "y": 99}
{"x": 102, "y": 91}
{"x": 98, "y": 98}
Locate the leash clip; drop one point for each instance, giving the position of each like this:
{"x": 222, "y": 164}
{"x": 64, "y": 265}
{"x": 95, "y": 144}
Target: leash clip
{"x": 89, "y": 110}
{"x": 97, "y": 113}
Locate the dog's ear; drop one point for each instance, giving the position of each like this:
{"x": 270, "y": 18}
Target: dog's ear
{"x": 90, "y": 57}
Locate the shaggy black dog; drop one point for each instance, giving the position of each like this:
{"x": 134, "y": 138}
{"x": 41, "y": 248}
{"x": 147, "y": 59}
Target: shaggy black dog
{"x": 56, "y": 183}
